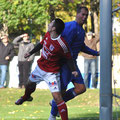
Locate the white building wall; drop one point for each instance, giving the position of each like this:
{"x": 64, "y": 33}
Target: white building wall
{"x": 14, "y": 73}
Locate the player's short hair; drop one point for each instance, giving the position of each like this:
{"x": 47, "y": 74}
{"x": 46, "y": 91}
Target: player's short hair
{"x": 79, "y": 8}
{"x": 59, "y": 25}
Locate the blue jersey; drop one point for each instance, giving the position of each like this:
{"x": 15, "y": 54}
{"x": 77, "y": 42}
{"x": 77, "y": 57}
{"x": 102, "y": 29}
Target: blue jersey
{"x": 74, "y": 35}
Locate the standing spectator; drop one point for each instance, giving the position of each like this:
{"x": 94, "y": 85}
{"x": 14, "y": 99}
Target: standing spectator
{"x": 6, "y": 54}
{"x": 24, "y": 64}
{"x": 90, "y": 61}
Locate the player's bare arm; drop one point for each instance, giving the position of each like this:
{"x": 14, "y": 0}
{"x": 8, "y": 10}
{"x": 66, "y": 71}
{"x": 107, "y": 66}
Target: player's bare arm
{"x": 34, "y": 50}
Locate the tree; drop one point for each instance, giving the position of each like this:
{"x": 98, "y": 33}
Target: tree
{"x": 32, "y": 15}
{"x": 18, "y": 14}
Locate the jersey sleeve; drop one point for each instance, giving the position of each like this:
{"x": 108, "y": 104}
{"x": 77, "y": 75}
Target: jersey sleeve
{"x": 65, "y": 52}
{"x": 87, "y": 50}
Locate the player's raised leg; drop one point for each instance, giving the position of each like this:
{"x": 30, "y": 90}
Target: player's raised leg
{"x": 29, "y": 89}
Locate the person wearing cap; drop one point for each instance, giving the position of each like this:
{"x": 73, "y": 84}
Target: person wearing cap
{"x": 90, "y": 61}
{"x": 6, "y": 55}
{"x": 24, "y": 65}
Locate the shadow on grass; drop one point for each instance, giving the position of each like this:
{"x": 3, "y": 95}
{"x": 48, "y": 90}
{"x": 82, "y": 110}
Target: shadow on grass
{"x": 84, "y": 119}
{"x": 116, "y": 115}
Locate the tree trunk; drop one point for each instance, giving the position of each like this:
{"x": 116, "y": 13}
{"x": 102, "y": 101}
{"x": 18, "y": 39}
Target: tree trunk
{"x": 92, "y": 22}
{"x": 51, "y": 13}
{"x": 96, "y": 28}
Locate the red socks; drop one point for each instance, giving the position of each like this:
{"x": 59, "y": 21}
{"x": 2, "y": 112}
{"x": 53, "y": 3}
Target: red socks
{"x": 62, "y": 108}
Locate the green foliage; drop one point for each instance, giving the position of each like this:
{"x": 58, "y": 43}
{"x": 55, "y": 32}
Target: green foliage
{"x": 32, "y": 16}
{"x": 22, "y": 15}
{"x": 116, "y": 45}
{"x": 116, "y": 37}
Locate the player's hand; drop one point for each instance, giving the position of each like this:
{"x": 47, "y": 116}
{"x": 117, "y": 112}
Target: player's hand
{"x": 27, "y": 55}
{"x": 98, "y": 53}
{"x": 75, "y": 73}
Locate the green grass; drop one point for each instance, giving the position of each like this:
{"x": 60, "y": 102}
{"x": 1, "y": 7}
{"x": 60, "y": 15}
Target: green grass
{"x": 83, "y": 107}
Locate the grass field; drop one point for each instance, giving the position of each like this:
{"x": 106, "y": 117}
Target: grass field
{"x": 83, "y": 107}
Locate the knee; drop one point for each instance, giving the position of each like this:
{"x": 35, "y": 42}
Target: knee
{"x": 80, "y": 89}
{"x": 31, "y": 85}
{"x": 57, "y": 98}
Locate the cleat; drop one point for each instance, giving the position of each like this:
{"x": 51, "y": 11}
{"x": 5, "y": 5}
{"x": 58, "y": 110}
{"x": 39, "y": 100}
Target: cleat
{"x": 21, "y": 100}
{"x": 52, "y": 117}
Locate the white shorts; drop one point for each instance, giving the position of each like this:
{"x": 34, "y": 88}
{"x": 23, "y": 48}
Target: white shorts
{"x": 52, "y": 79}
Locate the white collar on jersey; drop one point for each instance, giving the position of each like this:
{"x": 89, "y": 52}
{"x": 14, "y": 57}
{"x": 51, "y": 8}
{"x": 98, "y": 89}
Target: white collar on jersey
{"x": 56, "y": 38}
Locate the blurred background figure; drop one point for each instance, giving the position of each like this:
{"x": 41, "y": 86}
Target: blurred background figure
{"x": 90, "y": 61}
{"x": 24, "y": 65}
{"x": 6, "y": 55}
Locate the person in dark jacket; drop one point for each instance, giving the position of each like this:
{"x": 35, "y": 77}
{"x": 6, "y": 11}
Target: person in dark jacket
{"x": 24, "y": 65}
{"x": 6, "y": 55}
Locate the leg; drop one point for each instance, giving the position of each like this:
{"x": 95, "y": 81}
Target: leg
{"x": 20, "y": 66}
{"x": 3, "y": 75}
{"x": 7, "y": 77}
{"x": 26, "y": 71}
{"x": 71, "y": 93}
{"x": 53, "y": 81}
{"x": 68, "y": 95}
{"x": 29, "y": 89}
{"x": 79, "y": 88}
{"x": 86, "y": 72}
{"x": 31, "y": 86}
{"x": 62, "y": 108}
{"x": 93, "y": 73}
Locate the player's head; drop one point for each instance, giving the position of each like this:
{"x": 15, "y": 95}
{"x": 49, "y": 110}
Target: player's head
{"x": 82, "y": 14}
{"x": 56, "y": 25}
{"x": 59, "y": 25}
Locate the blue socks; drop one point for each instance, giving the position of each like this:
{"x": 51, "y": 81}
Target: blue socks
{"x": 70, "y": 94}
{"x": 54, "y": 109}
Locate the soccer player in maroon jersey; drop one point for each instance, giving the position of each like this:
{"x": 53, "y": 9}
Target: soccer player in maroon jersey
{"x": 54, "y": 49}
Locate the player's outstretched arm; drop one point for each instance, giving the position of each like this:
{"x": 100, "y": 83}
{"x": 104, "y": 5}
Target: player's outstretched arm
{"x": 98, "y": 53}
{"x": 27, "y": 55}
{"x": 34, "y": 50}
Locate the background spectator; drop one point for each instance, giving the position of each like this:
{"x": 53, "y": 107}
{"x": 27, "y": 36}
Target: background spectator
{"x": 90, "y": 61}
{"x": 24, "y": 64}
{"x": 6, "y": 54}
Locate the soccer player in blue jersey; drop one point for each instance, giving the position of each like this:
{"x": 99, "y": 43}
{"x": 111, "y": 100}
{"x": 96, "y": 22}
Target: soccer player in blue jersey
{"x": 74, "y": 34}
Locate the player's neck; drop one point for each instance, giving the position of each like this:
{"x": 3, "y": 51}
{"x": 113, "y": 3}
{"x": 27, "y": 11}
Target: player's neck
{"x": 53, "y": 35}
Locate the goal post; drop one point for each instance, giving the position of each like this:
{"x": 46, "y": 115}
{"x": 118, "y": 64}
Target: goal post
{"x": 105, "y": 60}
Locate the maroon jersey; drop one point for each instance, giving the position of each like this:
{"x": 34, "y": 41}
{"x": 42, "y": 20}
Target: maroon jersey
{"x": 52, "y": 52}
